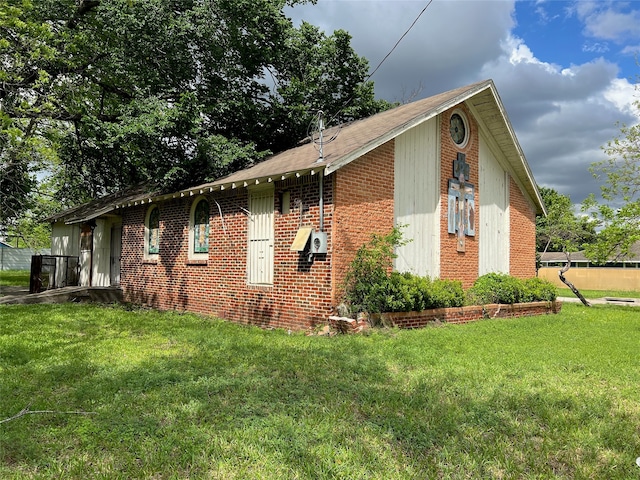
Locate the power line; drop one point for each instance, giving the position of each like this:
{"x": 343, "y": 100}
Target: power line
{"x": 346, "y": 103}
{"x": 400, "y": 40}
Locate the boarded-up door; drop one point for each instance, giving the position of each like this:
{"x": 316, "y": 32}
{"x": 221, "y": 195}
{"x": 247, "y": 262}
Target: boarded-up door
{"x": 260, "y": 255}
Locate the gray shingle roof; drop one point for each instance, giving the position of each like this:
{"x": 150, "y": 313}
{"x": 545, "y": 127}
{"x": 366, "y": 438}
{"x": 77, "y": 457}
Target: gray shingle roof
{"x": 101, "y": 206}
{"x": 351, "y": 142}
{"x": 359, "y": 137}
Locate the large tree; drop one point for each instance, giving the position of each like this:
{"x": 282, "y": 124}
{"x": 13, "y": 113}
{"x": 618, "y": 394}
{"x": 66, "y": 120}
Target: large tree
{"x": 110, "y": 93}
{"x": 561, "y": 230}
{"x": 618, "y": 214}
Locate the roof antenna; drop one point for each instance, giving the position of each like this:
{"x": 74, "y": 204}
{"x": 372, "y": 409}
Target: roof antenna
{"x": 317, "y": 135}
{"x": 320, "y": 137}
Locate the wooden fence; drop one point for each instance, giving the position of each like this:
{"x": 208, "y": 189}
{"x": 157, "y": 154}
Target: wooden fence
{"x": 596, "y": 278}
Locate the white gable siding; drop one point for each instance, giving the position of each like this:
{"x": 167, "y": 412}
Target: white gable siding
{"x": 494, "y": 214}
{"x": 416, "y": 199}
{"x": 101, "y": 253}
{"x": 65, "y": 239}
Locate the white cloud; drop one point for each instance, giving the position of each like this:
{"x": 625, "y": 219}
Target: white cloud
{"x": 609, "y": 20}
{"x": 621, "y": 93}
{"x": 595, "y": 47}
{"x": 520, "y": 53}
{"x": 633, "y": 50}
{"x": 562, "y": 114}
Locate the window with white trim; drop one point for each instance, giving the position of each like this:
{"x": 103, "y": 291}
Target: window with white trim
{"x": 261, "y": 237}
{"x": 152, "y": 233}
{"x": 199, "y": 229}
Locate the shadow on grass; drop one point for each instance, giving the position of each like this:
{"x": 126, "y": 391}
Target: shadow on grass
{"x": 178, "y": 396}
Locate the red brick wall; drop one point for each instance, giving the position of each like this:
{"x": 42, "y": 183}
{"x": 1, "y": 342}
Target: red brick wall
{"x": 300, "y": 295}
{"x": 522, "y": 224}
{"x": 457, "y": 265}
{"x": 470, "y": 313}
{"x": 358, "y": 201}
{"x": 438, "y": 316}
{"x": 363, "y": 205}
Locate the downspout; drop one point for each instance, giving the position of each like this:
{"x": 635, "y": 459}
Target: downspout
{"x": 321, "y": 173}
{"x": 321, "y": 200}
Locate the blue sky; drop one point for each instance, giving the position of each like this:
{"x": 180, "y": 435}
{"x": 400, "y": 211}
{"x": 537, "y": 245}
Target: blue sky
{"x": 574, "y": 33}
{"x": 565, "y": 70}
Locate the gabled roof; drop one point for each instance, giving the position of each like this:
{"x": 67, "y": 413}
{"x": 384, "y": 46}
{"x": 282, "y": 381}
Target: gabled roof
{"x": 555, "y": 257}
{"x": 100, "y": 206}
{"x": 362, "y": 136}
{"x": 357, "y": 138}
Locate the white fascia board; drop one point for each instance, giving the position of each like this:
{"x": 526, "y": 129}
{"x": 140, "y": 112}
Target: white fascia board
{"x": 523, "y": 164}
{"x": 91, "y": 216}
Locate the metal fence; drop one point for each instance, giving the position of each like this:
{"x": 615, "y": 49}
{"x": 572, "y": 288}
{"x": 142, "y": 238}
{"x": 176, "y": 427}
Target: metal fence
{"x": 53, "y": 271}
{"x": 18, "y": 258}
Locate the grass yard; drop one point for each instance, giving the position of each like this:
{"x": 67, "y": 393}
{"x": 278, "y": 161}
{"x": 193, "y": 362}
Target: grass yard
{"x": 179, "y": 396}
{"x": 14, "y": 278}
{"x": 591, "y": 294}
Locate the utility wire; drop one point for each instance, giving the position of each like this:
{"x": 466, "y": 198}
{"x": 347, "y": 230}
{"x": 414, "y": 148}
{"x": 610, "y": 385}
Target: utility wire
{"x": 385, "y": 57}
{"x": 399, "y": 40}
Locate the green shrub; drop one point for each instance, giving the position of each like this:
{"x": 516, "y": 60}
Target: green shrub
{"x": 503, "y": 288}
{"x": 446, "y": 293}
{"x": 367, "y": 287}
{"x": 372, "y": 287}
{"x": 405, "y": 292}
{"x": 537, "y": 289}
{"x": 495, "y": 288}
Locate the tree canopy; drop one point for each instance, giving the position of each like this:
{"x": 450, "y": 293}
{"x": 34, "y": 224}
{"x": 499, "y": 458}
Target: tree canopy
{"x": 618, "y": 214}
{"x": 561, "y": 230}
{"x": 105, "y": 94}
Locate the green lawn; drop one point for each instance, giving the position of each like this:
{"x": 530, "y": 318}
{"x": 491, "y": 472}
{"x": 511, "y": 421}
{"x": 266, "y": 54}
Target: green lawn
{"x": 179, "y": 396}
{"x": 591, "y": 294}
{"x": 14, "y": 278}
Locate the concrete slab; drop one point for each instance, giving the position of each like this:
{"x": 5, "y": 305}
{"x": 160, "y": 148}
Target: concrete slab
{"x": 65, "y": 294}
{"x": 629, "y": 302}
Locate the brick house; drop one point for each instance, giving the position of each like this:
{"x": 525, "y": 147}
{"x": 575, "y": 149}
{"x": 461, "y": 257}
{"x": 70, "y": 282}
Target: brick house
{"x": 269, "y": 245}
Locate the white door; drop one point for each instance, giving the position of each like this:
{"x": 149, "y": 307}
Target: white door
{"x": 116, "y": 252}
{"x": 261, "y": 235}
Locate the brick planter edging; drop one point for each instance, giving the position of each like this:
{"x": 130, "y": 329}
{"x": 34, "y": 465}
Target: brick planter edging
{"x": 449, "y": 315}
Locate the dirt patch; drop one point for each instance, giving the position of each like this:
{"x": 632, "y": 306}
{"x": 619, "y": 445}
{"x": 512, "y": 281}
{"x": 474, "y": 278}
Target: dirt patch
{"x": 14, "y": 290}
